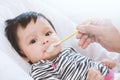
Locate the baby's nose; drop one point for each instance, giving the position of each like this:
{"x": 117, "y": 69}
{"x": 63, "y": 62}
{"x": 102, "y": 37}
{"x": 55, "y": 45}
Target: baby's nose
{"x": 44, "y": 42}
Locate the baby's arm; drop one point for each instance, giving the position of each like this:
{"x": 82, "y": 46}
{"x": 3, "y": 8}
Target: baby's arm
{"x": 94, "y": 74}
{"x": 104, "y": 70}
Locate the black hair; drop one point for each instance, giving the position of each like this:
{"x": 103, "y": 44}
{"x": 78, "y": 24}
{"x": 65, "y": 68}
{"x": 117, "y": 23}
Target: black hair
{"x": 23, "y": 20}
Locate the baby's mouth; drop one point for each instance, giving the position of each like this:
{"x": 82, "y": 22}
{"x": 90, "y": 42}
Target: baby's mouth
{"x": 46, "y": 49}
{"x": 52, "y": 47}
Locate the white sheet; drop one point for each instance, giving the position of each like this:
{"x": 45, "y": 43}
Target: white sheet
{"x": 15, "y": 67}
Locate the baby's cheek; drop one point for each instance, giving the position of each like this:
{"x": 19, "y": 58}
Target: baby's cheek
{"x": 55, "y": 37}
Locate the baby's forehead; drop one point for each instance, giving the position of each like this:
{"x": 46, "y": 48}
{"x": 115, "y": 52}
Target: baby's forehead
{"x": 46, "y": 22}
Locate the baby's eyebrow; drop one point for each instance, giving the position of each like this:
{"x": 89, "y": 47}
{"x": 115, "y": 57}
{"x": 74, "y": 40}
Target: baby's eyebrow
{"x": 29, "y": 36}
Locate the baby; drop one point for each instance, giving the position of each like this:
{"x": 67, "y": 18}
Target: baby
{"x": 31, "y": 34}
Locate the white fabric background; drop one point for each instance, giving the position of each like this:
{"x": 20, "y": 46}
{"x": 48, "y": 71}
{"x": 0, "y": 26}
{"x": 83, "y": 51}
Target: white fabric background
{"x": 15, "y": 68}
{"x": 80, "y": 10}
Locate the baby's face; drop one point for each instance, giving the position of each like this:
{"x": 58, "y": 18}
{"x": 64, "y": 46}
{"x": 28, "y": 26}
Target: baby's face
{"x": 35, "y": 39}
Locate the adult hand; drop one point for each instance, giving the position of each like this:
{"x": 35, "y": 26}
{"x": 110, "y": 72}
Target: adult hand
{"x": 94, "y": 74}
{"x": 101, "y": 31}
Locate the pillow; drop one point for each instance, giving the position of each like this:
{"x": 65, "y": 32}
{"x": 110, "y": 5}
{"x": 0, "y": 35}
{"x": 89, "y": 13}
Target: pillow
{"x": 9, "y": 70}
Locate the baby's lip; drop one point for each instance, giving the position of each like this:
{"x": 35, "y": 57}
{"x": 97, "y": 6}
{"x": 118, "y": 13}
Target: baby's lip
{"x": 51, "y": 45}
{"x": 45, "y": 50}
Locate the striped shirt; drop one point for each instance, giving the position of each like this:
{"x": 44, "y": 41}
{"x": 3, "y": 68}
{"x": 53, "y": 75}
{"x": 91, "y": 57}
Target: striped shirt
{"x": 69, "y": 65}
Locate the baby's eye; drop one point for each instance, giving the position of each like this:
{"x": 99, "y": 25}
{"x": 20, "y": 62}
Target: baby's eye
{"x": 32, "y": 41}
{"x": 48, "y": 33}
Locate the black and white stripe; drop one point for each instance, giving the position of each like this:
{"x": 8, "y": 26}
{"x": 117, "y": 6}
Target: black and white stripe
{"x": 70, "y": 66}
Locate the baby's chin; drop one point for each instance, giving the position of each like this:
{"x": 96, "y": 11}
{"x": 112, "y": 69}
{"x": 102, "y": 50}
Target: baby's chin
{"x": 53, "y": 57}
{"x": 54, "y": 54}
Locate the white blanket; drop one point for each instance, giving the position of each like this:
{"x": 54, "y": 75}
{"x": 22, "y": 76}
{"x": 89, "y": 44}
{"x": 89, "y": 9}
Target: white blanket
{"x": 13, "y": 67}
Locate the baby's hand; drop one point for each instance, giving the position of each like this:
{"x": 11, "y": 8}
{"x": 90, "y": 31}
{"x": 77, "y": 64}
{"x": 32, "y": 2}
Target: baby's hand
{"x": 108, "y": 62}
{"x": 94, "y": 74}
